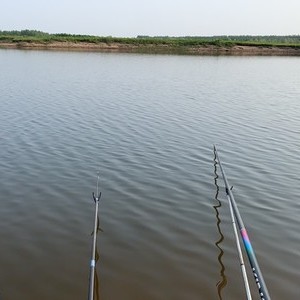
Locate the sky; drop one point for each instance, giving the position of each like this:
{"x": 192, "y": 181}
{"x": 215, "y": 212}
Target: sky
{"x": 129, "y": 18}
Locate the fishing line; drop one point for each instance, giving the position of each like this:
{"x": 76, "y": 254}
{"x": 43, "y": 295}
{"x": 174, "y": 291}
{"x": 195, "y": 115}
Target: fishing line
{"x": 98, "y": 178}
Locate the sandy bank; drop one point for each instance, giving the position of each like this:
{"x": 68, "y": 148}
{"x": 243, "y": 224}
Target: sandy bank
{"x": 160, "y": 48}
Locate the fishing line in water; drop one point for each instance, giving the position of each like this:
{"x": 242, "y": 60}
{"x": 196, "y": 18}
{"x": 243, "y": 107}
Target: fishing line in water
{"x": 98, "y": 178}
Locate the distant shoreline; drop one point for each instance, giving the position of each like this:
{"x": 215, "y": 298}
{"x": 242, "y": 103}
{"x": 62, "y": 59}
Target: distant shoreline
{"x": 235, "y": 50}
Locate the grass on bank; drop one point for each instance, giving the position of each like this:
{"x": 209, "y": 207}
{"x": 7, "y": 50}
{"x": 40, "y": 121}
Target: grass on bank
{"x": 34, "y": 36}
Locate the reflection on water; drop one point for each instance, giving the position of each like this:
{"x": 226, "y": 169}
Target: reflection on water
{"x": 97, "y": 258}
{"x": 97, "y": 282}
{"x": 223, "y": 281}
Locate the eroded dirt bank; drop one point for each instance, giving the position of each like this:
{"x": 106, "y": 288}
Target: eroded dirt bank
{"x": 132, "y": 48}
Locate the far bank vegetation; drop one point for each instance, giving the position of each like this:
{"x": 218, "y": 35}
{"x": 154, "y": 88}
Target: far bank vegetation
{"x": 35, "y": 36}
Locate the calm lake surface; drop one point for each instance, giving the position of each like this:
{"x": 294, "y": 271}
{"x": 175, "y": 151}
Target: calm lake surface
{"x": 147, "y": 123}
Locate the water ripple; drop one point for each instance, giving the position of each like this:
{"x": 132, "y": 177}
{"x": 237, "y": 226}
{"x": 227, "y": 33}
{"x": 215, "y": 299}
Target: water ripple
{"x": 147, "y": 123}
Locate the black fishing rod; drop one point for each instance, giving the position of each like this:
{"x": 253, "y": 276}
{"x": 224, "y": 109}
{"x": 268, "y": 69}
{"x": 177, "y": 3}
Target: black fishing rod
{"x": 262, "y": 288}
{"x": 93, "y": 255}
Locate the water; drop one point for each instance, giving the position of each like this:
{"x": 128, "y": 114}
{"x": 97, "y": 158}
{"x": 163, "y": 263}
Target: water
{"x": 148, "y": 124}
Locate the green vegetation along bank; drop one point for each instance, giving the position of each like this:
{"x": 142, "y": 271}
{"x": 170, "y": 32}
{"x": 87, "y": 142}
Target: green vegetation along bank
{"x": 216, "y": 45}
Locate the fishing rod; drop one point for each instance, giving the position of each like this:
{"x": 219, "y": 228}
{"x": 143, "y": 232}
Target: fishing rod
{"x": 241, "y": 258}
{"x": 262, "y": 288}
{"x": 242, "y": 264}
{"x": 93, "y": 255}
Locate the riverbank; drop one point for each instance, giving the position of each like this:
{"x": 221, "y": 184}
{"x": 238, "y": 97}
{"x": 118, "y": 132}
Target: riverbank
{"x": 214, "y": 45}
{"x": 206, "y": 49}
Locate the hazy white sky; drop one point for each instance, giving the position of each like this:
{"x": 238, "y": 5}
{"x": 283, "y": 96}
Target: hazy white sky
{"x": 153, "y": 17}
